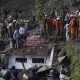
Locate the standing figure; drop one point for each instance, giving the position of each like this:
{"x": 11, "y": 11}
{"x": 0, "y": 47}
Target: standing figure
{"x": 49, "y": 26}
{"x": 72, "y": 27}
{"x": 58, "y": 26}
{"x": 67, "y": 32}
{"x": 16, "y": 37}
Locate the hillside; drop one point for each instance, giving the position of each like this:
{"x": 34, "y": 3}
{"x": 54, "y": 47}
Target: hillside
{"x": 27, "y": 5}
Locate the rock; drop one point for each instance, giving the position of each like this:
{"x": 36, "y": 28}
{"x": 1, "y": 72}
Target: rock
{"x": 62, "y": 53}
{"x": 60, "y": 59}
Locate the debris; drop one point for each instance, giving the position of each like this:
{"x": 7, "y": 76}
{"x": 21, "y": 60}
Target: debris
{"x": 60, "y": 59}
{"x": 44, "y": 68}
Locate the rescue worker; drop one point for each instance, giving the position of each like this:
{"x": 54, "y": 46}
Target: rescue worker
{"x": 16, "y": 37}
{"x": 45, "y": 21}
{"x": 49, "y": 26}
{"x": 5, "y": 73}
{"x": 67, "y": 32}
{"x": 14, "y": 73}
{"x": 2, "y": 29}
{"x": 33, "y": 75}
{"x": 11, "y": 36}
{"x": 53, "y": 75}
{"x": 54, "y": 22}
{"x": 76, "y": 24}
{"x": 58, "y": 26}
{"x": 79, "y": 23}
{"x": 72, "y": 27}
{"x": 77, "y": 13}
{"x": 22, "y": 32}
{"x": 27, "y": 25}
{"x": 13, "y": 24}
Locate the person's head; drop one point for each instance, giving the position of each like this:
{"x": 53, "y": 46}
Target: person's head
{"x": 3, "y": 67}
{"x": 58, "y": 18}
{"x": 52, "y": 73}
{"x": 33, "y": 70}
{"x": 13, "y": 67}
{"x": 62, "y": 72}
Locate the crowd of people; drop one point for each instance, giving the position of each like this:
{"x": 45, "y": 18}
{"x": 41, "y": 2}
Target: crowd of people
{"x": 31, "y": 74}
{"x": 68, "y": 27}
{"x": 14, "y": 27}
{"x": 16, "y": 30}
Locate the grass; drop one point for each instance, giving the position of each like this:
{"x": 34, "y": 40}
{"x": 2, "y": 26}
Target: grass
{"x": 75, "y": 61}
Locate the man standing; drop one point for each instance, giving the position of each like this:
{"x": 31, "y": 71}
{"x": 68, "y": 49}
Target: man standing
{"x": 72, "y": 27}
{"x": 58, "y": 26}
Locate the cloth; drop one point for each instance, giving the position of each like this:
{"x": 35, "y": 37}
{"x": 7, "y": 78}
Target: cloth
{"x": 72, "y": 27}
{"x": 14, "y": 72}
{"x": 54, "y": 21}
{"x": 58, "y": 24}
{"x": 49, "y": 24}
{"x": 79, "y": 26}
{"x": 6, "y": 74}
{"x": 22, "y": 30}
{"x": 16, "y": 35}
{"x": 67, "y": 32}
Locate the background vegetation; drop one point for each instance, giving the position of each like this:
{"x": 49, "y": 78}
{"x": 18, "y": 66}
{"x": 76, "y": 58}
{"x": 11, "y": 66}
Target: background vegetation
{"x": 74, "y": 54}
{"x": 51, "y": 5}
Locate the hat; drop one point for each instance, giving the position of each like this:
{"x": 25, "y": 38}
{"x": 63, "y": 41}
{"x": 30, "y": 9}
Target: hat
{"x": 27, "y": 20}
{"x": 24, "y": 20}
{"x": 10, "y": 24}
{"x": 72, "y": 15}
{"x": 51, "y": 73}
{"x": 14, "y": 20}
{"x": 21, "y": 20}
{"x": 79, "y": 14}
{"x": 58, "y": 18}
{"x": 77, "y": 11}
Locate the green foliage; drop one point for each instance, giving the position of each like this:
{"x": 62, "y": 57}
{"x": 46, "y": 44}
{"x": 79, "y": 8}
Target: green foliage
{"x": 75, "y": 61}
{"x": 48, "y": 5}
{"x": 39, "y": 7}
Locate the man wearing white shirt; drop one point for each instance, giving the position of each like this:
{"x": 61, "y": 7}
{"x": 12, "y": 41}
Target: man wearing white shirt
{"x": 22, "y": 32}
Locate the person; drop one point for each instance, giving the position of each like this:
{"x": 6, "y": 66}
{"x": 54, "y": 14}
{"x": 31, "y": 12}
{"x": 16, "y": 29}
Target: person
{"x": 22, "y": 32}
{"x": 3, "y": 12}
{"x": 5, "y": 73}
{"x": 13, "y": 24}
{"x": 14, "y": 73}
{"x": 45, "y": 21}
{"x": 49, "y": 26}
{"x": 11, "y": 37}
{"x": 76, "y": 24}
{"x": 63, "y": 75}
{"x": 72, "y": 27}
{"x": 33, "y": 75}
{"x": 2, "y": 29}
{"x": 27, "y": 25}
{"x": 16, "y": 37}
{"x": 54, "y": 22}
{"x": 67, "y": 31}
{"x": 79, "y": 23}
{"x": 58, "y": 26}
{"x": 53, "y": 75}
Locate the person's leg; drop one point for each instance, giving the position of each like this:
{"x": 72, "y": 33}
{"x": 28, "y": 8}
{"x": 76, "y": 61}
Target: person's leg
{"x": 17, "y": 43}
{"x": 11, "y": 43}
